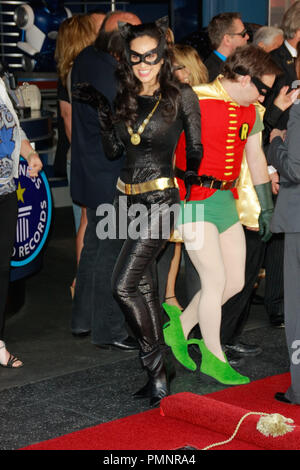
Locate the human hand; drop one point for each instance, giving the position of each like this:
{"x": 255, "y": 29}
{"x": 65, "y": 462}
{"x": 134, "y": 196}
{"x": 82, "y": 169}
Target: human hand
{"x": 277, "y": 133}
{"x": 190, "y": 178}
{"x": 264, "y": 221}
{"x": 274, "y": 177}
{"x": 252, "y": 229}
{"x": 284, "y": 99}
{"x": 34, "y": 165}
{"x": 88, "y": 94}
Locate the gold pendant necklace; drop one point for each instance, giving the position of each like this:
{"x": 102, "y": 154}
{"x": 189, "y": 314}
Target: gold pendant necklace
{"x": 136, "y": 136}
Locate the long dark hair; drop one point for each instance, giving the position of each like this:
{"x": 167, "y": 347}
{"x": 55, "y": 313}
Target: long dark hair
{"x": 129, "y": 86}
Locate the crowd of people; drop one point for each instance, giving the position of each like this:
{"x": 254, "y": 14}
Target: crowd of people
{"x": 150, "y": 125}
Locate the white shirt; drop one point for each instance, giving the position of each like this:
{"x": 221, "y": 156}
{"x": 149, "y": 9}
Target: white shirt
{"x": 291, "y": 49}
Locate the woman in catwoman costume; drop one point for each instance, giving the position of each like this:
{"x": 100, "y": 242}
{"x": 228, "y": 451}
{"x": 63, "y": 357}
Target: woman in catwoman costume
{"x": 152, "y": 109}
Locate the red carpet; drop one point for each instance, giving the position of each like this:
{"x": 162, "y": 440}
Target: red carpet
{"x": 192, "y": 420}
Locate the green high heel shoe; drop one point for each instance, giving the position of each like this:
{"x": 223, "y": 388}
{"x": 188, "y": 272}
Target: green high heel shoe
{"x": 219, "y": 370}
{"x": 174, "y": 337}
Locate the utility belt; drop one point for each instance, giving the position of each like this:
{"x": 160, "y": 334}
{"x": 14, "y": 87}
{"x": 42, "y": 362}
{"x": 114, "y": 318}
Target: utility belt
{"x": 159, "y": 184}
{"x": 209, "y": 181}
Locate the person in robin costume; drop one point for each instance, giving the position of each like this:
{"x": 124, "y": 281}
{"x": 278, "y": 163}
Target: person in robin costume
{"x": 209, "y": 223}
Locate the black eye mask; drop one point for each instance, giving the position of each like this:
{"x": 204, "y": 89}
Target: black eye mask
{"x": 129, "y": 32}
{"x": 159, "y": 50}
{"x": 262, "y": 88}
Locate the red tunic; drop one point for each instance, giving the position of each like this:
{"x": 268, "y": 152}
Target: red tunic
{"x": 225, "y": 127}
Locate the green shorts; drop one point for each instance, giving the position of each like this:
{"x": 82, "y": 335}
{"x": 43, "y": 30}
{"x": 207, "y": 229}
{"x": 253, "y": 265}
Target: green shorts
{"x": 219, "y": 209}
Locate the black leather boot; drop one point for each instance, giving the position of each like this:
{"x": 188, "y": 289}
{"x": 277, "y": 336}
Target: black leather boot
{"x": 160, "y": 372}
{"x": 143, "y": 392}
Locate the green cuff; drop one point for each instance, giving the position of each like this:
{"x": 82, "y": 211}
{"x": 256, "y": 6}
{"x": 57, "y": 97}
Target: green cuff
{"x": 264, "y": 194}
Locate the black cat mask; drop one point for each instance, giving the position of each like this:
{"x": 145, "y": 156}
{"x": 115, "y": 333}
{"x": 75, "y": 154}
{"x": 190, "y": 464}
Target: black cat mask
{"x": 129, "y": 32}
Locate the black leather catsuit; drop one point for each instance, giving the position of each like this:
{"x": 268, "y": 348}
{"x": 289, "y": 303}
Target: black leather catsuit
{"x": 134, "y": 280}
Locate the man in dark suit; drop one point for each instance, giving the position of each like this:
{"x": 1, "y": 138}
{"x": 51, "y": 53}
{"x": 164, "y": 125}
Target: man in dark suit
{"x": 285, "y": 157}
{"x": 93, "y": 182}
{"x": 226, "y": 32}
{"x": 284, "y": 57}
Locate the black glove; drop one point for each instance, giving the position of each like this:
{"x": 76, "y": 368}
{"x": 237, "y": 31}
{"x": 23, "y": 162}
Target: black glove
{"x": 191, "y": 176}
{"x": 88, "y": 94}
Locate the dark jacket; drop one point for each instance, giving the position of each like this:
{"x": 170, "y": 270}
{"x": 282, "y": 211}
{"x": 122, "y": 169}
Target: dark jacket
{"x": 93, "y": 176}
{"x": 274, "y": 117}
{"x": 214, "y": 66}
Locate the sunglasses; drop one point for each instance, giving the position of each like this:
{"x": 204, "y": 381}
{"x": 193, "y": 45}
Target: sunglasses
{"x": 242, "y": 33}
{"x": 178, "y": 67}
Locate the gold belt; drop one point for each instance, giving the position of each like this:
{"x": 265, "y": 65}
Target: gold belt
{"x": 153, "y": 185}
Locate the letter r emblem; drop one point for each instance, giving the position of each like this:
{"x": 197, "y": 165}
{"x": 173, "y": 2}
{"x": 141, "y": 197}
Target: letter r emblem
{"x": 244, "y": 131}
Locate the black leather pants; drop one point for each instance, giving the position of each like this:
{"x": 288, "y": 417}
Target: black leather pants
{"x": 134, "y": 279}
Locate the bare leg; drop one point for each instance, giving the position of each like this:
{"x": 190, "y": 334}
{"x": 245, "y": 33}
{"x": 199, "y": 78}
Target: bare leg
{"x": 5, "y": 356}
{"x": 170, "y": 295}
{"x": 79, "y": 243}
{"x": 80, "y": 233}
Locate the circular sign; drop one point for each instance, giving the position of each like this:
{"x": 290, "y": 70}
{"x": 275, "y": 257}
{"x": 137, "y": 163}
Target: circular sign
{"x": 34, "y": 215}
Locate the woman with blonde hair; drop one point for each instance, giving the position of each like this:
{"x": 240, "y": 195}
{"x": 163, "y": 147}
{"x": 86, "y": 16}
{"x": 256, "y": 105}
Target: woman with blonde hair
{"x": 188, "y": 68}
{"x": 74, "y": 35}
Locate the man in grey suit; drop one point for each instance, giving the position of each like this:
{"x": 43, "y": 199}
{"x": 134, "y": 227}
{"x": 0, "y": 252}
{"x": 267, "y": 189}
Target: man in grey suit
{"x": 284, "y": 154}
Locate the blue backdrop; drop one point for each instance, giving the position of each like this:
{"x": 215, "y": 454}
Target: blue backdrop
{"x": 252, "y": 11}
